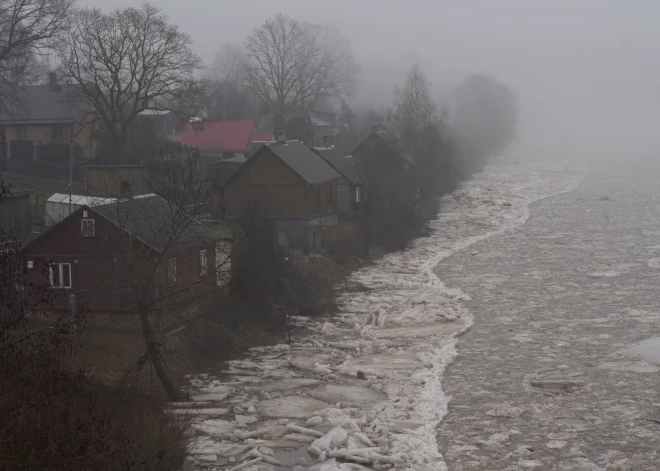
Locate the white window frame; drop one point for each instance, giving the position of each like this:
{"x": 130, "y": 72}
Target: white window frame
{"x": 203, "y": 262}
{"x": 357, "y": 194}
{"x": 60, "y": 273}
{"x": 82, "y": 227}
{"x": 171, "y": 270}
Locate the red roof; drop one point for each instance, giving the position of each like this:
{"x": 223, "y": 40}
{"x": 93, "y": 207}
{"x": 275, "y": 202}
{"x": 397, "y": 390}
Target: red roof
{"x": 262, "y": 137}
{"x": 219, "y": 135}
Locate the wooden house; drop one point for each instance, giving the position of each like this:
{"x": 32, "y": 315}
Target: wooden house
{"x": 295, "y": 186}
{"x": 45, "y": 117}
{"x": 102, "y": 252}
{"x": 116, "y": 180}
{"x": 352, "y": 183}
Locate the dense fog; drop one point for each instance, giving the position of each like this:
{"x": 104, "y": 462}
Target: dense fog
{"x": 584, "y": 71}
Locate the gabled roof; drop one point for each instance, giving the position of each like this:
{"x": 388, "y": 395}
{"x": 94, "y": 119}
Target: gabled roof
{"x": 230, "y": 136}
{"x": 346, "y": 165}
{"x": 330, "y": 116}
{"x": 40, "y": 104}
{"x": 305, "y": 163}
{"x": 387, "y": 132}
{"x": 149, "y": 219}
{"x": 324, "y": 122}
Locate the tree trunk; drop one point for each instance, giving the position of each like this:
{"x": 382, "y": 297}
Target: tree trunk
{"x": 154, "y": 355}
{"x": 120, "y": 144}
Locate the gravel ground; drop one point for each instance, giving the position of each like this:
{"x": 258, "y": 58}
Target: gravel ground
{"x": 543, "y": 379}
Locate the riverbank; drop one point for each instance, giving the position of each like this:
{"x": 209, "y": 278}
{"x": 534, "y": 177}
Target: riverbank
{"x": 366, "y": 384}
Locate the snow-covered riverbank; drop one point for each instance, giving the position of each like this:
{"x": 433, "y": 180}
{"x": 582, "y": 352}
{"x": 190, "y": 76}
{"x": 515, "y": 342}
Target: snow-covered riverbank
{"x": 365, "y": 387}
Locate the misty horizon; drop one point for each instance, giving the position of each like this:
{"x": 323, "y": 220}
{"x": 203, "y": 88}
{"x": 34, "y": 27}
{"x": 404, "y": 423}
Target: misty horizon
{"x": 575, "y": 66}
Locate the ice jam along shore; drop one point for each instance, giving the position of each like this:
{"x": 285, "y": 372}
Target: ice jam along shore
{"x": 363, "y": 390}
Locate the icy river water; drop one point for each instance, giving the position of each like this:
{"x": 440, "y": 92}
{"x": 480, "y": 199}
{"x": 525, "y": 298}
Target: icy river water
{"x": 519, "y": 335}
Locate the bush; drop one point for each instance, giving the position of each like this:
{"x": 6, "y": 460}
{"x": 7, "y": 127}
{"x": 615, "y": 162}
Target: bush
{"x": 265, "y": 289}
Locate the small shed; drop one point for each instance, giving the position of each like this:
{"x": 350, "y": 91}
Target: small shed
{"x": 59, "y": 206}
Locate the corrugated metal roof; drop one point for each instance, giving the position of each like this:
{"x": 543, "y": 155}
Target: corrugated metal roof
{"x": 312, "y": 168}
{"x": 229, "y": 136}
{"x": 346, "y": 165}
{"x": 80, "y": 200}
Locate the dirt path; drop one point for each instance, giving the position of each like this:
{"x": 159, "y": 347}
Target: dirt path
{"x": 543, "y": 380}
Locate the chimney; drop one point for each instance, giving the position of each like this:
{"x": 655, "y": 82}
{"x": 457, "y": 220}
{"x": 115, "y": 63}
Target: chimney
{"x": 374, "y": 129}
{"x": 280, "y": 136}
{"x": 52, "y": 81}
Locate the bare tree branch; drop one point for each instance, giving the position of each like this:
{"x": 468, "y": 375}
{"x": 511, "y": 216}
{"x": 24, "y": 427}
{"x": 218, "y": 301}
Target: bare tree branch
{"x": 292, "y": 65}
{"x": 129, "y": 61}
{"x": 28, "y": 29}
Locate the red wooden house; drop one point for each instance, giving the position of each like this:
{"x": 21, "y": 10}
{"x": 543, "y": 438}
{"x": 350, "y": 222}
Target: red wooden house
{"x": 106, "y": 254}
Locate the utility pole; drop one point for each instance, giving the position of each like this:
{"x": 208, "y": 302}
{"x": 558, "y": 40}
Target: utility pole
{"x": 73, "y": 299}
{"x": 70, "y": 175}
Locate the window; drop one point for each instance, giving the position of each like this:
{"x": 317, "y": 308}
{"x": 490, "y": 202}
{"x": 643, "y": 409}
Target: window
{"x": 60, "y": 275}
{"x": 87, "y": 227}
{"x": 30, "y": 264}
{"x": 56, "y": 133}
{"x": 171, "y": 270}
{"x": 318, "y": 197}
{"x": 21, "y": 133}
{"x": 357, "y": 194}
{"x": 329, "y": 193}
{"x": 203, "y": 262}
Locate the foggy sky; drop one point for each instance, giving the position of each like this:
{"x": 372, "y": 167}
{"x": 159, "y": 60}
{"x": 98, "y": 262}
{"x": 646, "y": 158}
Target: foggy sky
{"x": 585, "y": 68}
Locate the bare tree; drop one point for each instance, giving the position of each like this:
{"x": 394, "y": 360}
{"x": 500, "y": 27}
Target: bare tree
{"x": 292, "y": 65}
{"x": 165, "y": 267}
{"x": 229, "y": 65}
{"x": 28, "y": 28}
{"x": 486, "y": 115}
{"x": 415, "y": 110}
{"x": 128, "y": 61}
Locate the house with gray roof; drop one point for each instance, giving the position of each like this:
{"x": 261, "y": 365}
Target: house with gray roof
{"x": 290, "y": 182}
{"x": 45, "y": 115}
{"x": 352, "y": 183}
{"x": 99, "y": 251}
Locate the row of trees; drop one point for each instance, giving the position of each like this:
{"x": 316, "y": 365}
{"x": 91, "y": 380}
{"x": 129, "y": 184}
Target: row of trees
{"x": 133, "y": 59}
{"x": 442, "y": 152}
